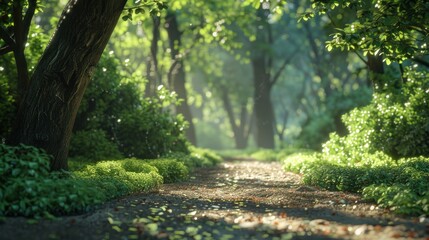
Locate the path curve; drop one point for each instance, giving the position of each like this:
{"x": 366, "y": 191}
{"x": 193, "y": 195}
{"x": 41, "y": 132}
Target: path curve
{"x": 239, "y": 199}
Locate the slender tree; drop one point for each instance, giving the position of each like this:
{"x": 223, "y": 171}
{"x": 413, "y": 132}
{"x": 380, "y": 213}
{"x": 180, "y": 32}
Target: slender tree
{"x": 264, "y": 78}
{"x": 242, "y": 128}
{"x": 14, "y": 32}
{"x": 152, "y": 67}
{"x": 177, "y": 75}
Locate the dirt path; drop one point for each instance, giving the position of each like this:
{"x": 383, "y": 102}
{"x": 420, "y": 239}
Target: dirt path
{"x": 239, "y": 199}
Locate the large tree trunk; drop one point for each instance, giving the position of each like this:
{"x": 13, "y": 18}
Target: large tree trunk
{"x": 48, "y": 110}
{"x": 263, "y": 106}
{"x": 177, "y": 75}
{"x": 262, "y": 63}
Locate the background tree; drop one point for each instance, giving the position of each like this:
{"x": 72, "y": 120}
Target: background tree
{"x": 177, "y": 75}
{"x": 15, "y": 22}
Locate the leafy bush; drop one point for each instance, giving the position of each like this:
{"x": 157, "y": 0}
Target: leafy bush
{"x": 299, "y": 162}
{"x": 265, "y": 155}
{"x": 93, "y": 145}
{"x": 142, "y": 128}
{"x": 151, "y": 133}
{"x": 395, "y": 123}
{"x": 208, "y": 157}
{"x": 121, "y": 177}
{"x": 22, "y": 162}
{"x": 7, "y": 108}
{"x": 198, "y": 157}
{"x": 29, "y": 188}
{"x": 171, "y": 170}
{"x": 379, "y": 156}
{"x": 46, "y": 196}
{"x": 399, "y": 198}
{"x": 109, "y": 94}
{"x": 317, "y": 128}
{"x": 401, "y": 186}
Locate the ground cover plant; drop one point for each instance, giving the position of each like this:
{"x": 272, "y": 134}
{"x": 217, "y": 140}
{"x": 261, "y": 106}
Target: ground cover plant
{"x": 31, "y": 190}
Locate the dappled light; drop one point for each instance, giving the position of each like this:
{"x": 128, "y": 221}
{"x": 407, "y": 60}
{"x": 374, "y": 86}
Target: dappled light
{"x": 209, "y": 119}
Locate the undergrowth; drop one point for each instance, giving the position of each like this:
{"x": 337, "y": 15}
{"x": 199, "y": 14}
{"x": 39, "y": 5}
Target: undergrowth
{"x": 29, "y": 189}
{"x": 385, "y": 155}
{"x": 402, "y": 186}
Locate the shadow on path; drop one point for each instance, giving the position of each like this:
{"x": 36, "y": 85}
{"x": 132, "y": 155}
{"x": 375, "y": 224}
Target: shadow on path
{"x": 241, "y": 199}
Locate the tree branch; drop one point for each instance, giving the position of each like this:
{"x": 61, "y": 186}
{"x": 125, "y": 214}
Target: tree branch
{"x": 5, "y": 49}
{"x": 421, "y": 61}
{"x": 282, "y": 67}
{"x": 17, "y": 26}
{"x": 32, "y": 5}
{"x": 6, "y": 37}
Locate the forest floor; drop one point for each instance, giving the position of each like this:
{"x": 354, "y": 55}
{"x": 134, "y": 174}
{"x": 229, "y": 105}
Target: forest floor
{"x": 239, "y": 199}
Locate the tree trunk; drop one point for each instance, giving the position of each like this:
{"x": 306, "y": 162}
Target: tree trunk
{"x": 22, "y": 71}
{"x": 48, "y": 110}
{"x": 152, "y": 72}
{"x": 177, "y": 75}
{"x": 263, "y": 106}
{"x": 376, "y": 70}
{"x": 238, "y": 130}
{"x": 262, "y": 63}
{"x": 21, "y": 29}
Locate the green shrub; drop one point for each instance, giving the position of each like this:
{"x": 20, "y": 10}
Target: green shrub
{"x": 401, "y": 186}
{"x": 150, "y": 133}
{"x": 137, "y": 166}
{"x": 39, "y": 197}
{"x": 199, "y": 157}
{"x": 93, "y": 145}
{"x": 299, "y": 162}
{"x": 399, "y": 198}
{"x": 122, "y": 176}
{"x": 171, "y": 170}
{"x": 265, "y": 155}
{"x": 22, "y": 162}
{"x": 396, "y": 123}
{"x": 317, "y": 128}
{"x": 29, "y": 188}
{"x": 141, "y": 128}
{"x": 7, "y": 108}
{"x": 205, "y": 155}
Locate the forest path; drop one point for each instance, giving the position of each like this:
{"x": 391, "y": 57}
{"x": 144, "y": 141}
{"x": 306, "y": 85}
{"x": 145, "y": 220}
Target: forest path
{"x": 239, "y": 199}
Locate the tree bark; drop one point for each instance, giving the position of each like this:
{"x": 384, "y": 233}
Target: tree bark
{"x": 263, "y": 106}
{"x": 16, "y": 42}
{"x": 238, "y": 129}
{"x": 152, "y": 72}
{"x": 262, "y": 63}
{"x": 178, "y": 75}
{"x": 48, "y": 110}
{"x": 376, "y": 70}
